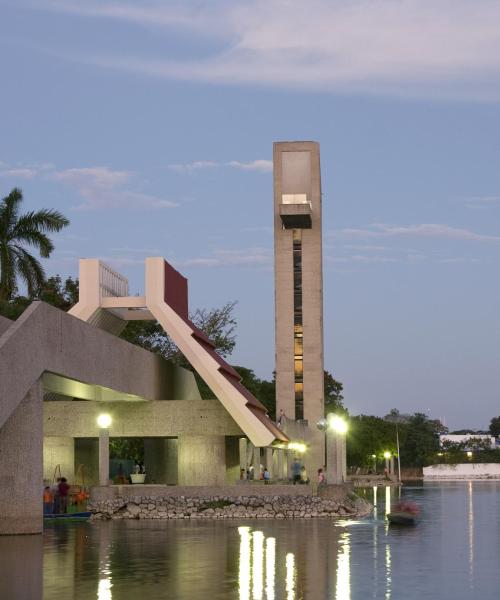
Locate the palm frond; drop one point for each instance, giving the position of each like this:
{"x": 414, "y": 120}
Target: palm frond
{"x": 34, "y": 238}
{"x": 30, "y": 270}
{"x": 44, "y": 220}
{"x": 9, "y": 209}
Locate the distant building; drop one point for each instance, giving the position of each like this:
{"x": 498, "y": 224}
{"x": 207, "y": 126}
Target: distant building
{"x": 460, "y": 439}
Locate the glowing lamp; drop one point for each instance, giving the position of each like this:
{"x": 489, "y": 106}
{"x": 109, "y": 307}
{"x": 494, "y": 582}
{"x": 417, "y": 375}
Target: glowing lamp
{"x": 104, "y": 421}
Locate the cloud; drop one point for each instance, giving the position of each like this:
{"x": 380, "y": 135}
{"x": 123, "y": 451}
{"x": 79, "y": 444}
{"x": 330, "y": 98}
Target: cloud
{"x": 102, "y": 187}
{"x": 447, "y": 48}
{"x": 24, "y": 171}
{"x": 264, "y": 166}
{"x": 260, "y": 165}
{"x": 425, "y": 230}
{"x": 482, "y": 201}
{"x": 193, "y": 166}
{"x": 250, "y": 257}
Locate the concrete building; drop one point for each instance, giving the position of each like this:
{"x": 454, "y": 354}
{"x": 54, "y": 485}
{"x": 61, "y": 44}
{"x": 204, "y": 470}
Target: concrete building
{"x": 60, "y": 371}
{"x": 299, "y": 290}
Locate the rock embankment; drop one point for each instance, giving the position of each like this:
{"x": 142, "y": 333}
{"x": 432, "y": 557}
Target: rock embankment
{"x": 228, "y": 507}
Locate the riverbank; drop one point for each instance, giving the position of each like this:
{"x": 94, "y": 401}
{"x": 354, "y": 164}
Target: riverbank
{"x": 269, "y": 506}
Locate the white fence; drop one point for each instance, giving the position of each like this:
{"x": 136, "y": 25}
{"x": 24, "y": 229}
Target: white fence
{"x": 462, "y": 471}
{"x": 112, "y": 283}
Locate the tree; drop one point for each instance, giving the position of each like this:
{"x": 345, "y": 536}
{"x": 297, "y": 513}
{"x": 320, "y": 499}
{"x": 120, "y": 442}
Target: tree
{"x": 218, "y": 324}
{"x": 421, "y": 443}
{"x": 18, "y": 231}
{"x": 333, "y": 395}
{"x": 495, "y": 426}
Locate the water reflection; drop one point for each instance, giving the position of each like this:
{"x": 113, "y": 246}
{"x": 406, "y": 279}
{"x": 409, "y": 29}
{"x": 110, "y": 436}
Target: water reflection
{"x": 343, "y": 589}
{"x": 273, "y": 559}
{"x": 470, "y": 521}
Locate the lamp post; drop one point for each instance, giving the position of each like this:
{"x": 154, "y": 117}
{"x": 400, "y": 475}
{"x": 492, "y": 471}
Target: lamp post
{"x": 387, "y": 456}
{"x": 104, "y": 421}
{"x": 335, "y": 428}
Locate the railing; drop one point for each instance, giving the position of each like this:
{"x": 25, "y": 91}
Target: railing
{"x": 111, "y": 283}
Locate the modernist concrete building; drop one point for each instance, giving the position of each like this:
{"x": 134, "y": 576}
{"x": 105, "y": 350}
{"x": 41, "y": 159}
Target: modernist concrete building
{"x": 59, "y": 371}
{"x": 299, "y": 289}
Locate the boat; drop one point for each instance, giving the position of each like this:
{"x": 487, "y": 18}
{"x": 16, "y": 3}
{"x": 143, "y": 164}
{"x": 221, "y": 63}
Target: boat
{"x": 404, "y": 513}
{"x": 65, "y": 517}
{"x": 402, "y": 518}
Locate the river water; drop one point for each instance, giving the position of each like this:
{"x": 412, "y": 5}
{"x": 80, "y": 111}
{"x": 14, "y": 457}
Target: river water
{"x": 454, "y": 552}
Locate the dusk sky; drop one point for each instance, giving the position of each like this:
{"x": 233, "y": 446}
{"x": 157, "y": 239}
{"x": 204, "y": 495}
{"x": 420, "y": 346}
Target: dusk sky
{"x": 150, "y": 125}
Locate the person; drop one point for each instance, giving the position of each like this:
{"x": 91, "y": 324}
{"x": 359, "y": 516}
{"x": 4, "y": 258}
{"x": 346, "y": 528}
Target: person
{"x": 63, "y": 489}
{"x": 304, "y": 479}
{"x": 321, "y": 477}
{"x": 48, "y": 500}
{"x": 295, "y": 471}
{"x": 281, "y": 419}
{"x": 267, "y": 476}
{"x": 56, "y": 509}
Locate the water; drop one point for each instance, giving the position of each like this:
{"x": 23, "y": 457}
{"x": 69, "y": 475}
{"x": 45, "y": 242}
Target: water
{"x": 453, "y": 553}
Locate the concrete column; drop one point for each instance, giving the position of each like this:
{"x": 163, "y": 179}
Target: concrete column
{"x": 391, "y": 469}
{"x": 232, "y": 460}
{"x": 269, "y": 462}
{"x": 58, "y": 451}
{"x": 336, "y": 468}
{"x": 103, "y": 456}
{"x": 202, "y": 459}
{"x": 21, "y": 451}
{"x": 256, "y": 463}
{"x": 280, "y": 466}
{"x": 171, "y": 474}
{"x": 243, "y": 443}
{"x": 155, "y": 460}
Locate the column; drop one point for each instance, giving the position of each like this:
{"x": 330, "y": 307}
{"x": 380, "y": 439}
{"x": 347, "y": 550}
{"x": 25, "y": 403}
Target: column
{"x": 269, "y": 462}
{"x": 391, "y": 470}
{"x": 202, "y": 459}
{"x": 243, "y": 443}
{"x": 21, "y": 451}
{"x": 104, "y": 456}
{"x": 256, "y": 463}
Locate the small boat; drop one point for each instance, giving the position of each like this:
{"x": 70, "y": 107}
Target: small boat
{"x": 404, "y": 513}
{"x": 402, "y": 518}
{"x": 64, "y": 517}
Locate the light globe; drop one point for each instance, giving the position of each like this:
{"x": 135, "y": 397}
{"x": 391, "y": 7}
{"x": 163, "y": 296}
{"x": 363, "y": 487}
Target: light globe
{"x": 338, "y": 424}
{"x": 104, "y": 421}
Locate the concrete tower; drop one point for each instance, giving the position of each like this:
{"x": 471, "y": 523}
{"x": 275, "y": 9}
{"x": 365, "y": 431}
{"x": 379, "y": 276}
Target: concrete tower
{"x": 299, "y": 288}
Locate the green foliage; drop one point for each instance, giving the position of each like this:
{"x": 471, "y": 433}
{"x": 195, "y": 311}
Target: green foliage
{"x": 263, "y": 390}
{"x": 334, "y": 400}
{"x": 54, "y": 291}
{"x": 18, "y": 231}
{"x": 213, "y": 504}
{"x": 218, "y": 324}
{"x": 369, "y": 435}
{"x": 418, "y": 439}
{"x": 127, "y": 449}
{"x": 495, "y": 426}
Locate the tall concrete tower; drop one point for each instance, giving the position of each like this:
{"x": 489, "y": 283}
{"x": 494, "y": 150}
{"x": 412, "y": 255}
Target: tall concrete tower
{"x": 299, "y": 288}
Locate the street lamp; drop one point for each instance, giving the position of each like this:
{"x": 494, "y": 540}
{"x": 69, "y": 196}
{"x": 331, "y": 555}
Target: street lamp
{"x": 104, "y": 422}
{"x": 387, "y": 456}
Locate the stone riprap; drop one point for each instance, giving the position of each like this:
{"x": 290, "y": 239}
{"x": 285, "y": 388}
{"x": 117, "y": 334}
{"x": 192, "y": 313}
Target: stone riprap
{"x": 228, "y": 507}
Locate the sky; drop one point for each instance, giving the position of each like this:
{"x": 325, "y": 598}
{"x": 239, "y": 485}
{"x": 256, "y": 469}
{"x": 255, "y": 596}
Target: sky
{"x": 150, "y": 125}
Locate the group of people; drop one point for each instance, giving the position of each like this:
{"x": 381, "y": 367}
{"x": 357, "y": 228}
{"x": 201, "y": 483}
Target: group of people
{"x": 55, "y": 497}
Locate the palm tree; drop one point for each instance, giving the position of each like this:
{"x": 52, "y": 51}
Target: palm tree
{"x": 17, "y": 231}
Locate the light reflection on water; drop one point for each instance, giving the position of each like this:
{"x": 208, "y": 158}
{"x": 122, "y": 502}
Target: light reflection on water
{"x": 452, "y": 553}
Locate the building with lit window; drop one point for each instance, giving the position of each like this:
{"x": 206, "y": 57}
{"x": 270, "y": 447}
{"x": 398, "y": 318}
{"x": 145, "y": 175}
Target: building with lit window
{"x": 299, "y": 289}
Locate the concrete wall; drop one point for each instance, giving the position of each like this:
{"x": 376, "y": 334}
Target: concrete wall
{"x": 87, "y": 454}
{"x": 463, "y": 471}
{"x": 43, "y": 339}
{"x": 58, "y": 451}
{"x": 160, "y": 460}
{"x": 202, "y": 460}
{"x": 139, "y": 419}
